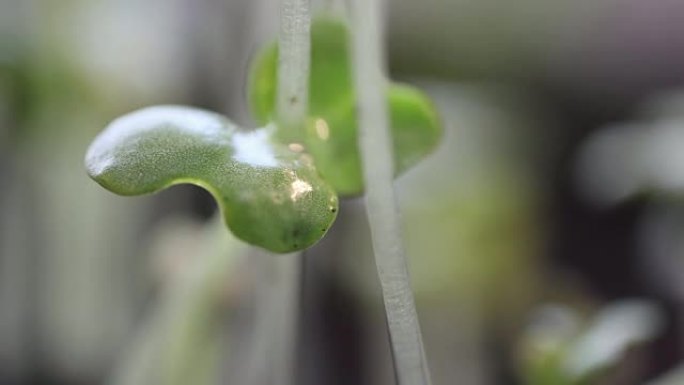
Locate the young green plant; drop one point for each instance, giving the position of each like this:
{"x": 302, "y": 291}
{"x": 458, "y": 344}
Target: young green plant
{"x": 277, "y": 186}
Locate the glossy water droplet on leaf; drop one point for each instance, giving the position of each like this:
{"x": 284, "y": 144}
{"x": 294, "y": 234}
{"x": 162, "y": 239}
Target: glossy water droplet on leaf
{"x": 331, "y": 135}
{"x": 269, "y": 195}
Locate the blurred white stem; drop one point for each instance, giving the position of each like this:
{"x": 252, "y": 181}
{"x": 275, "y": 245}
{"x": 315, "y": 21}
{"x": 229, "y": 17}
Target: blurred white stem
{"x": 272, "y": 353}
{"x": 375, "y": 146}
{"x": 284, "y": 311}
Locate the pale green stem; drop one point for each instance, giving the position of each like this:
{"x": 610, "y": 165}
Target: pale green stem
{"x": 294, "y": 57}
{"x": 260, "y": 368}
{"x": 273, "y": 347}
{"x": 284, "y": 310}
{"x": 375, "y": 146}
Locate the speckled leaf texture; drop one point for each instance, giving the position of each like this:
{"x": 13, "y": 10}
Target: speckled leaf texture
{"x": 268, "y": 194}
{"x": 331, "y": 132}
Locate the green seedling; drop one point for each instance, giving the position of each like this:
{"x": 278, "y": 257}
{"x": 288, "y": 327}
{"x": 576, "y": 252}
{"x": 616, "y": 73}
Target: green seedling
{"x": 275, "y": 189}
{"x": 277, "y": 186}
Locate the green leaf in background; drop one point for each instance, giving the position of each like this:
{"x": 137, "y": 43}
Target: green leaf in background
{"x": 331, "y": 135}
{"x": 269, "y": 195}
{"x": 561, "y": 348}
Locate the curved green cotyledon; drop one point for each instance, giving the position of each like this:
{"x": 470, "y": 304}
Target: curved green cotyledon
{"x": 269, "y": 195}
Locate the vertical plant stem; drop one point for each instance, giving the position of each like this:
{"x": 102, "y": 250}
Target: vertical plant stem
{"x": 272, "y": 351}
{"x": 284, "y": 310}
{"x": 294, "y": 56}
{"x": 375, "y": 146}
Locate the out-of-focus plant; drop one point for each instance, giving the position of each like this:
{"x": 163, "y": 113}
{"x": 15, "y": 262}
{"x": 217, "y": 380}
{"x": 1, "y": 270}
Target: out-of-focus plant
{"x": 563, "y": 348}
{"x": 179, "y": 341}
{"x": 643, "y": 158}
{"x": 638, "y": 157}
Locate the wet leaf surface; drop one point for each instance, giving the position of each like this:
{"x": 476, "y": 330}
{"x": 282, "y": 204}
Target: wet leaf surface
{"x": 269, "y": 195}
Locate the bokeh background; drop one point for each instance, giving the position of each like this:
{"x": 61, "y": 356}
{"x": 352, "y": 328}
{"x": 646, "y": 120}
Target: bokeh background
{"x": 545, "y": 233}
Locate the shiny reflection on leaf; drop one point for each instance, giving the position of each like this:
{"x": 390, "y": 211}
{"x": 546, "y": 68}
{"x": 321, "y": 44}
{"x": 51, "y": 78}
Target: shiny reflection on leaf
{"x": 322, "y": 129}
